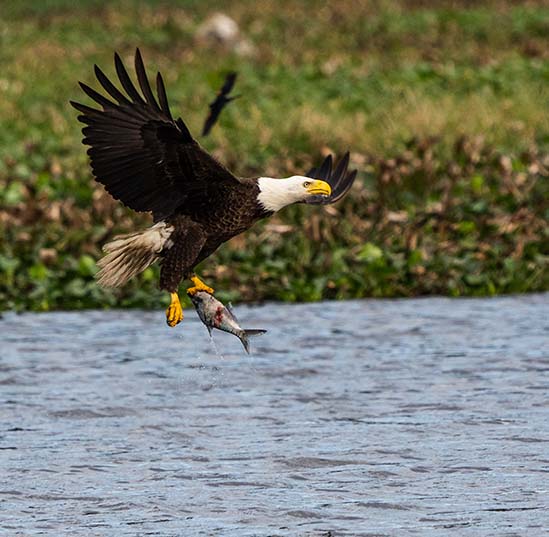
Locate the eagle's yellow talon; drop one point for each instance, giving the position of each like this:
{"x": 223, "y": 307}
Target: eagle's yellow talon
{"x": 174, "y": 313}
{"x": 199, "y": 285}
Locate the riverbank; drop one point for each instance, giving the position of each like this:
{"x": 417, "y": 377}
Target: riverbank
{"x": 443, "y": 109}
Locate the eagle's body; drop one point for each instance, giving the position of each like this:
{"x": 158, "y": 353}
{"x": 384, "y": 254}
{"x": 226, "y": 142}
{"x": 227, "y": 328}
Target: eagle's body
{"x": 209, "y": 229}
{"x": 151, "y": 163}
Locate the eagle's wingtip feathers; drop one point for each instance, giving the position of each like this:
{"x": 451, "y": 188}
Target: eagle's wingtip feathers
{"x": 339, "y": 178}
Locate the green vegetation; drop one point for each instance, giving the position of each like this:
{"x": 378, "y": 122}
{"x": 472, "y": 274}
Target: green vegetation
{"x": 445, "y": 110}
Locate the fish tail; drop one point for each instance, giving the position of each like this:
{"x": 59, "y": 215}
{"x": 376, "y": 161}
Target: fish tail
{"x": 128, "y": 255}
{"x": 246, "y": 334}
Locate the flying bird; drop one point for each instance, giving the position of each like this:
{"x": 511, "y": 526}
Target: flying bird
{"x": 221, "y": 100}
{"x": 151, "y": 163}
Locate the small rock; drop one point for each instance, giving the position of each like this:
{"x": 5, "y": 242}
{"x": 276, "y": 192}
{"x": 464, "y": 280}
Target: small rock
{"x": 219, "y": 29}
{"x": 222, "y": 31}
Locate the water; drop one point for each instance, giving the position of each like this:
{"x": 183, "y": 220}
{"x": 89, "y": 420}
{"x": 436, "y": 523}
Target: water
{"x": 412, "y": 417}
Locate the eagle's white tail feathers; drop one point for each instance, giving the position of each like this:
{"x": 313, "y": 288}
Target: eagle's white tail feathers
{"x": 128, "y": 255}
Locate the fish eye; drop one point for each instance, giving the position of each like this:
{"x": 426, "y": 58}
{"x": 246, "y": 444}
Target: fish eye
{"x": 307, "y": 184}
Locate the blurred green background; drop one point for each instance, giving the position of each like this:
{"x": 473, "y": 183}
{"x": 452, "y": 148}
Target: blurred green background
{"x": 445, "y": 111}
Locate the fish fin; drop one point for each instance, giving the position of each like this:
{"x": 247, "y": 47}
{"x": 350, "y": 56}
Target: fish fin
{"x": 246, "y": 343}
{"x": 246, "y": 334}
{"x": 229, "y": 307}
{"x": 255, "y": 332}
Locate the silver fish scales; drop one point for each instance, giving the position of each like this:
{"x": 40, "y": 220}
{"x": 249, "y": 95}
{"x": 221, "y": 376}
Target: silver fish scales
{"x": 214, "y": 314}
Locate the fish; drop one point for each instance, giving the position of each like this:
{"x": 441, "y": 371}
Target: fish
{"x": 214, "y": 314}
{"x": 222, "y": 99}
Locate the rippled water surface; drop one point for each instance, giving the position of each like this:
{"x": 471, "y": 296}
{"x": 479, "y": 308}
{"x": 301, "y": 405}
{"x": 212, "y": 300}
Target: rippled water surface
{"x": 410, "y": 417}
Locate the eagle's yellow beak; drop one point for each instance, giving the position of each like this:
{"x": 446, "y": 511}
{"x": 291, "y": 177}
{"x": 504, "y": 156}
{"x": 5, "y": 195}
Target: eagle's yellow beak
{"x": 319, "y": 187}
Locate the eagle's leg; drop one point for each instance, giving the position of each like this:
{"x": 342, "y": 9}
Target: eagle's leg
{"x": 174, "y": 313}
{"x": 199, "y": 285}
{"x": 178, "y": 260}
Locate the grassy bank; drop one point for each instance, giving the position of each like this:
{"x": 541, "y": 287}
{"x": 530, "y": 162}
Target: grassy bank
{"x": 444, "y": 109}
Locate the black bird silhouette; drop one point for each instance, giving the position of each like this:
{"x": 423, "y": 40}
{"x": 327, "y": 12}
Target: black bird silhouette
{"x": 221, "y": 100}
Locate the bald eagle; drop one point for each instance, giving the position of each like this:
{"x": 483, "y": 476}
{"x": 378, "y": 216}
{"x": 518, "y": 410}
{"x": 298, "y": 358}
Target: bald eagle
{"x": 151, "y": 163}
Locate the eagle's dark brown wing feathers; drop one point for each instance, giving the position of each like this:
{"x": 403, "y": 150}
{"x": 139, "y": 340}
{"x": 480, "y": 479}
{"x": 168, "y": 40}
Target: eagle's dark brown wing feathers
{"x": 126, "y": 81}
{"x": 143, "y": 157}
{"x": 340, "y": 179}
{"x": 162, "y": 97}
{"x": 326, "y": 168}
{"x": 109, "y": 87}
{"x": 144, "y": 82}
{"x": 97, "y": 97}
{"x": 343, "y": 186}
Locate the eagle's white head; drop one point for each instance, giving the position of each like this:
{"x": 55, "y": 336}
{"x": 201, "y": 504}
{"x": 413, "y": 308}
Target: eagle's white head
{"x": 274, "y": 194}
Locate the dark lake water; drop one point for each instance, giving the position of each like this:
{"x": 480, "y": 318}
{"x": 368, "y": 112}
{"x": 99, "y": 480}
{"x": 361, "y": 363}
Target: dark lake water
{"x": 409, "y": 417}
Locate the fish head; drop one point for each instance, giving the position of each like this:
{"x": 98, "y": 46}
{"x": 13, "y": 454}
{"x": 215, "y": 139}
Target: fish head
{"x": 199, "y": 299}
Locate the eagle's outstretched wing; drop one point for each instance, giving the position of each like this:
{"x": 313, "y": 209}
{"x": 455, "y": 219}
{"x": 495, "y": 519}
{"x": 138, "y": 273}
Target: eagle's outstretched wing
{"x": 340, "y": 179}
{"x": 145, "y": 158}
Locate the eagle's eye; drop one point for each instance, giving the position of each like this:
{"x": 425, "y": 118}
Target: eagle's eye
{"x": 307, "y": 184}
